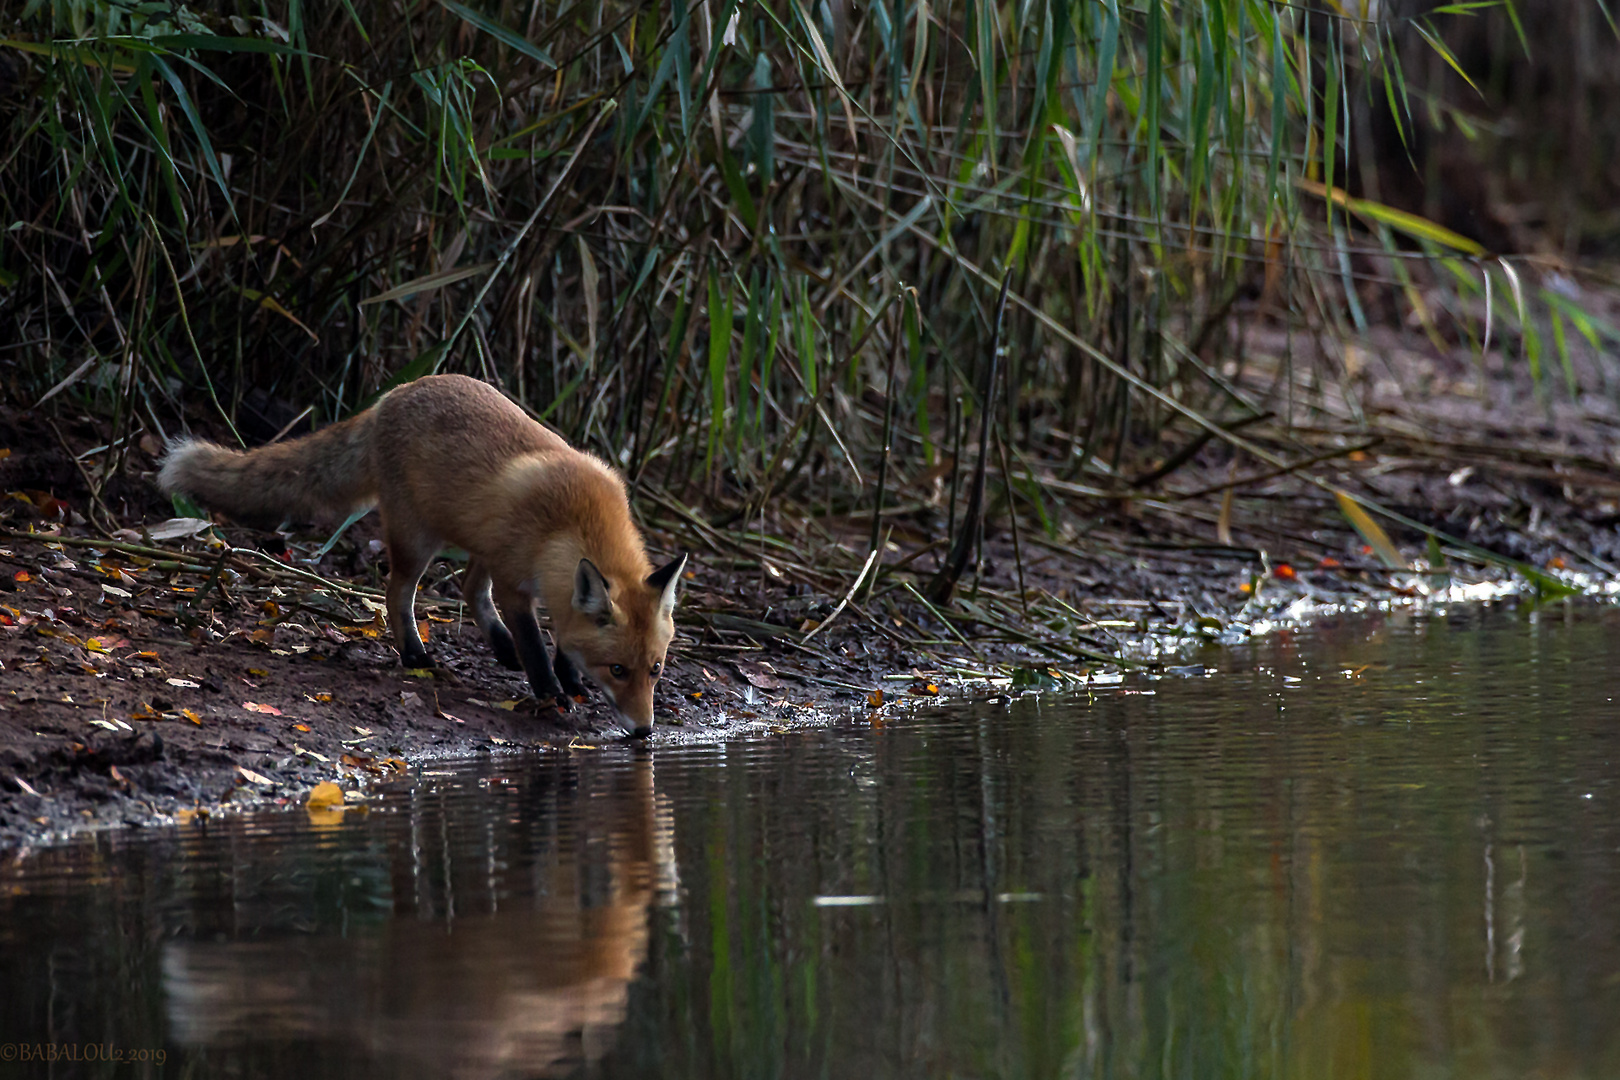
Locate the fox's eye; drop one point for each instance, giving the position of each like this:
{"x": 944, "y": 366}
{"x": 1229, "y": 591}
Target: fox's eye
{"x": 656, "y": 668}
{"x": 617, "y": 670}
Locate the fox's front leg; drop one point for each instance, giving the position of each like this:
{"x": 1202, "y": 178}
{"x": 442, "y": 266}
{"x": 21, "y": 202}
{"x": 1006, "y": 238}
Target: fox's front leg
{"x": 517, "y": 611}
{"x": 568, "y": 675}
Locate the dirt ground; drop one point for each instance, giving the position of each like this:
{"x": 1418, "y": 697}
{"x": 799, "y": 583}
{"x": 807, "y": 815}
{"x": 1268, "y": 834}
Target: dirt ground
{"x": 145, "y": 679}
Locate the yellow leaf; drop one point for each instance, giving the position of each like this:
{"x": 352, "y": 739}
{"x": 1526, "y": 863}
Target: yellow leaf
{"x": 193, "y": 717}
{"x": 1412, "y": 225}
{"x": 324, "y": 795}
{"x": 507, "y": 705}
{"x": 259, "y": 671}
{"x": 1370, "y": 531}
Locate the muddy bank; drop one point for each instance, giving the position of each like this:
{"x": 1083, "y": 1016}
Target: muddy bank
{"x": 129, "y": 699}
{"x": 154, "y": 676}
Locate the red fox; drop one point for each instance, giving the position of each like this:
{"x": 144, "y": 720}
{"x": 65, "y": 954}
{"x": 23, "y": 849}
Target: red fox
{"x": 449, "y": 459}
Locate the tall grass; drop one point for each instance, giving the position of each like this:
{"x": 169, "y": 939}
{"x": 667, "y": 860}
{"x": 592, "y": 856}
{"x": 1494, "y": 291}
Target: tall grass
{"x": 750, "y": 251}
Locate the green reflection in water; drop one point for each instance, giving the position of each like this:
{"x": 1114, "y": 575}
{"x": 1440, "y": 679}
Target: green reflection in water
{"x": 1389, "y": 847}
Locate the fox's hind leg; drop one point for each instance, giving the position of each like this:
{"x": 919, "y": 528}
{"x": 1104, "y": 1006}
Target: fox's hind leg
{"x": 475, "y": 591}
{"x": 408, "y": 556}
{"x": 518, "y": 612}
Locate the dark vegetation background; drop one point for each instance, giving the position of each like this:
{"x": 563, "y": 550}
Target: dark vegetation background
{"x": 751, "y": 251}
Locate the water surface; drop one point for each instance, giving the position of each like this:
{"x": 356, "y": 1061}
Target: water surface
{"x": 1386, "y": 847}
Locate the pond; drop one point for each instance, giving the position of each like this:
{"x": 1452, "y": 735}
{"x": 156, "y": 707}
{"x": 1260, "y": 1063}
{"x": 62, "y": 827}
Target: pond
{"x": 1386, "y": 846}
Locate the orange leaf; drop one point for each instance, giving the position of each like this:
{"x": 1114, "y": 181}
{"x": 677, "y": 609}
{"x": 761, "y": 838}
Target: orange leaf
{"x": 1283, "y": 571}
{"x": 22, "y": 575}
{"x": 193, "y": 717}
{"x": 300, "y": 727}
{"x": 253, "y": 706}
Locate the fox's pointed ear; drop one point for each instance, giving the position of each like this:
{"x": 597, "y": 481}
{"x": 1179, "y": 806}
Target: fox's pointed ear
{"x": 591, "y": 593}
{"x": 667, "y": 580}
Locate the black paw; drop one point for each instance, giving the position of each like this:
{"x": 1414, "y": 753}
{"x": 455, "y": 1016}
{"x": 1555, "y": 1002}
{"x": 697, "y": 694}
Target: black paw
{"x": 415, "y": 658}
{"x": 560, "y": 700}
{"x": 500, "y": 640}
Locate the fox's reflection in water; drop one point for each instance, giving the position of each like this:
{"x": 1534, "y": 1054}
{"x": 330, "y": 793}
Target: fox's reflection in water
{"x": 535, "y": 988}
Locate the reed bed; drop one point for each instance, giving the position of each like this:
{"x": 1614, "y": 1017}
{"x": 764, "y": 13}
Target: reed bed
{"x": 841, "y": 287}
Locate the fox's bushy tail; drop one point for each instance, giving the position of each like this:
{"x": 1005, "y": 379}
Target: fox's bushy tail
{"x": 324, "y": 476}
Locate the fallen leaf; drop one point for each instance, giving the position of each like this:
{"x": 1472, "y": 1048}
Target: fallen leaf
{"x": 1283, "y": 572}
{"x": 253, "y": 777}
{"x": 106, "y": 724}
{"x": 396, "y": 764}
{"x": 22, "y": 575}
{"x": 187, "y": 684}
{"x": 178, "y": 528}
{"x": 507, "y": 705}
{"x": 324, "y": 796}
{"x": 875, "y": 699}
{"x": 310, "y": 753}
{"x": 260, "y": 672}
{"x": 423, "y": 629}
{"x": 253, "y": 706}
{"x": 301, "y": 727}
{"x": 187, "y": 817}
{"x": 323, "y": 697}
{"x": 193, "y": 717}
{"x": 419, "y": 672}
{"x": 143, "y": 711}
{"x": 357, "y": 730}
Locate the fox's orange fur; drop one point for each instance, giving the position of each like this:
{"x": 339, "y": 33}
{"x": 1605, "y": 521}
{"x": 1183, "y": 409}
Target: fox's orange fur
{"x": 448, "y": 459}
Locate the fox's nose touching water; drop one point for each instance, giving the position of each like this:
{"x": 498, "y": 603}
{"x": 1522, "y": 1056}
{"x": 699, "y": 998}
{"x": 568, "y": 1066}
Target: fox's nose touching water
{"x": 449, "y": 460}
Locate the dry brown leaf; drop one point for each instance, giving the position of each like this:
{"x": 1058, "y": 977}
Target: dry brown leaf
{"x": 254, "y": 706}
{"x": 324, "y": 796}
